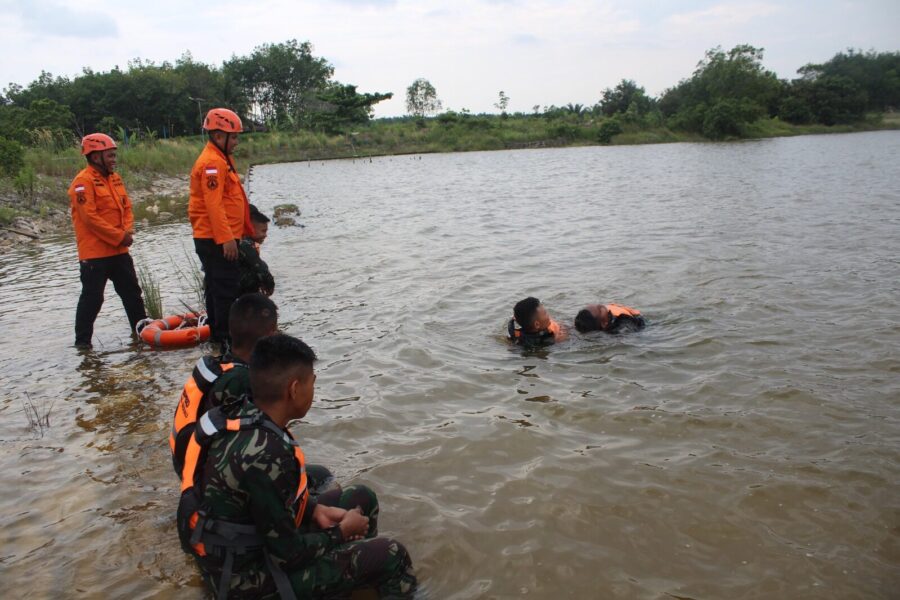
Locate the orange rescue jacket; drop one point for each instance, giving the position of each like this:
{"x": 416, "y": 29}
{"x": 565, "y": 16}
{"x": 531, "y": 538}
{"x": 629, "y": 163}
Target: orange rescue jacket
{"x": 218, "y": 207}
{"x": 618, "y": 310}
{"x": 101, "y": 213}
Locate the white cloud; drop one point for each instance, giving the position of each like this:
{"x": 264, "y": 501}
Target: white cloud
{"x": 723, "y": 15}
{"x": 537, "y": 51}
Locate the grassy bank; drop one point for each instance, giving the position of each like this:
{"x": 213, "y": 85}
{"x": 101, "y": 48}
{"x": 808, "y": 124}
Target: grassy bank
{"x": 144, "y": 163}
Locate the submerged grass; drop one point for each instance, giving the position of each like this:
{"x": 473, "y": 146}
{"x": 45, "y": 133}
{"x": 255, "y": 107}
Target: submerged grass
{"x": 152, "y": 293}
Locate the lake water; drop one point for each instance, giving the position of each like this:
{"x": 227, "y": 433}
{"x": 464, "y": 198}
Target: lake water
{"x": 744, "y": 445}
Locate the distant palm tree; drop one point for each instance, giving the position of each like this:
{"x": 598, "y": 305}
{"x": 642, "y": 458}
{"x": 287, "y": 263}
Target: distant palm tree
{"x": 575, "y": 109}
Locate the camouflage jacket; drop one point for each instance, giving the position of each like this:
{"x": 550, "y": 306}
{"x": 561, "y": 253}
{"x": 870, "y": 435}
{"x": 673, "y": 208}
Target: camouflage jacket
{"x": 254, "y": 272}
{"x": 231, "y": 385}
{"x": 251, "y": 477}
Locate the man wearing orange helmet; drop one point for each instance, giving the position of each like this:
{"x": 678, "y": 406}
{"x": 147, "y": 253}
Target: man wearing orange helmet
{"x": 103, "y": 221}
{"x": 220, "y": 216}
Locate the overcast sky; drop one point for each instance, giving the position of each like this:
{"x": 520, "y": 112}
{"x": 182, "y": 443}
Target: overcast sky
{"x": 540, "y": 52}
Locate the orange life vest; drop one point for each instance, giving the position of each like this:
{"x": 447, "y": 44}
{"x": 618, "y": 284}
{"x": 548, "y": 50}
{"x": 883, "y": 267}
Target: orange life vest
{"x": 618, "y": 310}
{"x": 192, "y": 405}
{"x": 520, "y": 336}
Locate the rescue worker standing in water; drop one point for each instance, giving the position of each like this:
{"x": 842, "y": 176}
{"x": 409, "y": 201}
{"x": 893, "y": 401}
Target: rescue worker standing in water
{"x": 104, "y": 230}
{"x": 219, "y": 214}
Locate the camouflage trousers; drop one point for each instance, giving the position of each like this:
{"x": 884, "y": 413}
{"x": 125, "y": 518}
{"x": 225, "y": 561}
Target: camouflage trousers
{"x": 376, "y": 562}
{"x": 380, "y": 563}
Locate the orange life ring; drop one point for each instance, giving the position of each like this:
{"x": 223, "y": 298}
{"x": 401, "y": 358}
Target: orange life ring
{"x": 176, "y": 331}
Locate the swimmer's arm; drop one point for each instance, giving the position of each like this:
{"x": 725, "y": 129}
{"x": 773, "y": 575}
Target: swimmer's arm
{"x": 561, "y": 335}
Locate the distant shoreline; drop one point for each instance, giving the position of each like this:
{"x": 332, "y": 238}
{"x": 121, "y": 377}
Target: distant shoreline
{"x": 156, "y": 173}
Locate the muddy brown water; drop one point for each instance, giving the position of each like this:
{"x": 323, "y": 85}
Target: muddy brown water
{"x": 745, "y": 445}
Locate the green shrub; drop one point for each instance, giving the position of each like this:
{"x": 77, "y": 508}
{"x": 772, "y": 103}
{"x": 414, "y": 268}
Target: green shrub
{"x": 25, "y": 183}
{"x": 609, "y": 129}
{"x": 12, "y": 157}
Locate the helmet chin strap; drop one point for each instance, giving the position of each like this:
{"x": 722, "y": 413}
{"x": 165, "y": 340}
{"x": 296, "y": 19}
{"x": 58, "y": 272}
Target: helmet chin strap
{"x": 222, "y": 149}
{"x": 101, "y": 165}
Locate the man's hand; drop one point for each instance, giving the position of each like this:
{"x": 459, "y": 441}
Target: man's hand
{"x": 354, "y": 525}
{"x": 327, "y": 516}
{"x": 128, "y": 239}
{"x": 230, "y": 250}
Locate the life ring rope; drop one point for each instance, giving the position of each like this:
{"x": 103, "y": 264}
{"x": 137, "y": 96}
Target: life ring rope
{"x": 174, "y": 330}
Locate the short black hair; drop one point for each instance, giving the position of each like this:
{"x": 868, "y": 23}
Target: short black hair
{"x": 256, "y": 216}
{"x": 585, "y": 321}
{"x": 275, "y": 360}
{"x": 524, "y": 311}
{"x": 251, "y": 317}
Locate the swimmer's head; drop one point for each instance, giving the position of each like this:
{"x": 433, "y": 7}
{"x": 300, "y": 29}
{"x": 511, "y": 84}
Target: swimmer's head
{"x": 591, "y": 318}
{"x": 260, "y": 224}
{"x": 531, "y": 315}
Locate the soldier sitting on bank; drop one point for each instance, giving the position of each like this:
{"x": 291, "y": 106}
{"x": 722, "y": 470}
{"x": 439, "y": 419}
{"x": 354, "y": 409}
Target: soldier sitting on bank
{"x": 254, "y": 272}
{"x": 610, "y": 318}
{"x": 246, "y": 514}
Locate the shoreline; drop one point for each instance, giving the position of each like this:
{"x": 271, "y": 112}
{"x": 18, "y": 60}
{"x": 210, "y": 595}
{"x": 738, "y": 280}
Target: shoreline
{"x": 158, "y": 194}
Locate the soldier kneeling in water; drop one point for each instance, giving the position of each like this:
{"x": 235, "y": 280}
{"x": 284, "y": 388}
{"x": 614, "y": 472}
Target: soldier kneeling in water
{"x": 531, "y": 324}
{"x": 610, "y": 318}
{"x": 246, "y": 513}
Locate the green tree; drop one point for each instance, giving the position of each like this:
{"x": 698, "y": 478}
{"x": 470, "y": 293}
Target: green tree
{"x": 341, "y": 107}
{"x": 421, "y": 99}
{"x": 829, "y": 100}
{"x": 617, "y": 100}
{"x": 733, "y": 87}
{"x": 875, "y": 74}
{"x": 280, "y": 80}
{"x": 502, "y": 102}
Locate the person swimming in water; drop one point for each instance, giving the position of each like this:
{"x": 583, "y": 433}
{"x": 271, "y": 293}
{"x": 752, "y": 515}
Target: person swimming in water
{"x": 531, "y": 324}
{"x": 610, "y": 318}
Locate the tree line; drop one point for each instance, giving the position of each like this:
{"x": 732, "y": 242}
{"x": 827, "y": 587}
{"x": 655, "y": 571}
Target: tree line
{"x": 285, "y": 86}
{"x": 728, "y": 91}
{"x": 277, "y": 86}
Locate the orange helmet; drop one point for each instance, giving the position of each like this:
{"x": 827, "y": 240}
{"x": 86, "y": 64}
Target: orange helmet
{"x": 222, "y": 119}
{"x": 96, "y": 142}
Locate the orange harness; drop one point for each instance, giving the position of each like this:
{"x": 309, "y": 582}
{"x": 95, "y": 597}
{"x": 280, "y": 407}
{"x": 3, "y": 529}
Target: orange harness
{"x": 618, "y": 310}
{"x": 520, "y": 336}
{"x": 191, "y": 405}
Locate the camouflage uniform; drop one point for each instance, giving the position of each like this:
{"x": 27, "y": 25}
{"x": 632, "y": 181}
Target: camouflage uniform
{"x": 250, "y": 476}
{"x": 231, "y": 385}
{"x": 254, "y": 272}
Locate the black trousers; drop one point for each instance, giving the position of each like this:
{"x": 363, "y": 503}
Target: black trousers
{"x": 221, "y": 279}
{"x": 95, "y": 272}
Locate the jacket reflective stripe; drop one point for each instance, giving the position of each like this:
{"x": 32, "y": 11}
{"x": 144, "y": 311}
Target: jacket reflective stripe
{"x": 209, "y": 429}
{"x": 205, "y": 372}
{"x": 204, "y": 375}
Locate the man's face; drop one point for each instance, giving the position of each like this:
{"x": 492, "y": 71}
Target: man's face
{"x": 231, "y": 142}
{"x": 260, "y": 231}
{"x": 302, "y": 393}
{"x": 107, "y": 158}
{"x": 226, "y": 141}
{"x": 541, "y": 318}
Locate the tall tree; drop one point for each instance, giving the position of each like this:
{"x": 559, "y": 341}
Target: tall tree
{"x": 280, "y": 80}
{"x": 421, "y": 99}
